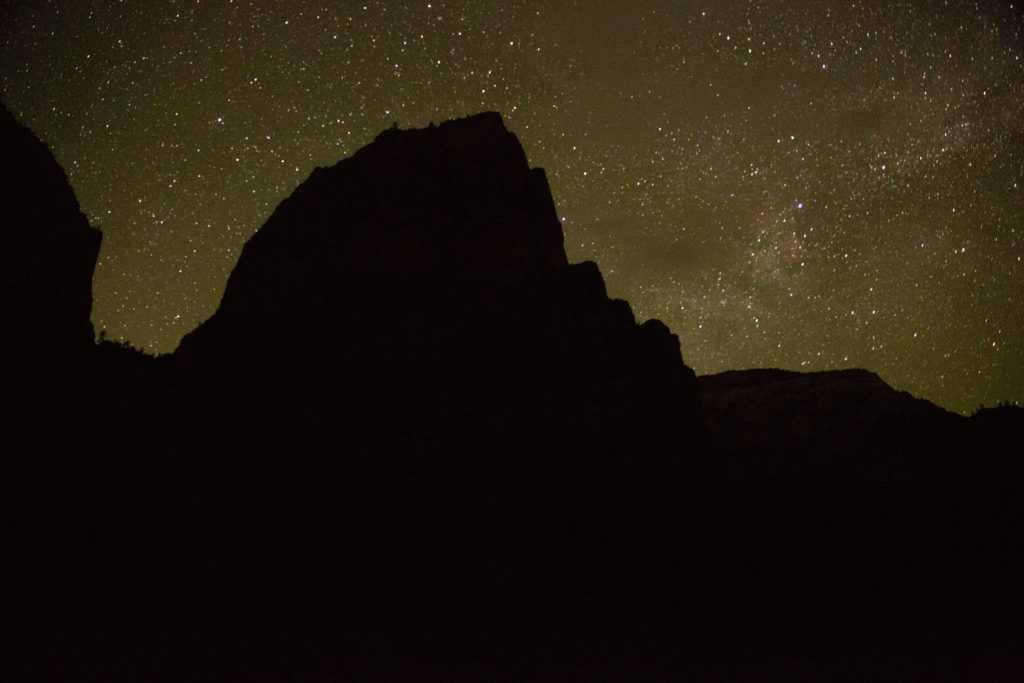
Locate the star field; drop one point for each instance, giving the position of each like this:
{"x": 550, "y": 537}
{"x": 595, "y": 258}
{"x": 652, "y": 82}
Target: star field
{"x": 805, "y": 185}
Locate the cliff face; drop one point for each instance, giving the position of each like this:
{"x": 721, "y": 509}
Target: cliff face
{"x": 49, "y": 249}
{"x": 426, "y": 276}
{"x": 449, "y": 205}
{"x": 414, "y": 407}
{"x": 447, "y": 221}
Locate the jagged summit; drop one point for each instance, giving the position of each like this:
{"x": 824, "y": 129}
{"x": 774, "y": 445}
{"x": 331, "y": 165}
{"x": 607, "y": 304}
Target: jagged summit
{"x": 452, "y": 212}
{"x": 454, "y": 203}
{"x": 426, "y": 274}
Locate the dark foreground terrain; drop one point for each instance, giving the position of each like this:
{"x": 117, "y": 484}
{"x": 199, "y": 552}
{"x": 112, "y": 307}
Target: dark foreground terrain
{"x": 414, "y": 442}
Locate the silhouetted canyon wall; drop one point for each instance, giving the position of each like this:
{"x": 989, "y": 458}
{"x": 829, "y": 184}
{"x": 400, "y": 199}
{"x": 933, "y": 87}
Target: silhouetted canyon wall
{"x": 49, "y": 249}
{"x": 415, "y": 442}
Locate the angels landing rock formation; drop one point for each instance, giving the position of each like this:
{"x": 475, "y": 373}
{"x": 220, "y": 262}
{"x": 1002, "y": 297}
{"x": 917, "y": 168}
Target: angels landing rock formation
{"x": 49, "y": 249}
{"x": 419, "y": 290}
{"x": 414, "y": 413}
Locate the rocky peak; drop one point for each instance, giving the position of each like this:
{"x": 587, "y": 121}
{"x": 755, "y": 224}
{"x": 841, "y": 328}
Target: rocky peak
{"x": 456, "y": 203}
{"x": 427, "y": 270}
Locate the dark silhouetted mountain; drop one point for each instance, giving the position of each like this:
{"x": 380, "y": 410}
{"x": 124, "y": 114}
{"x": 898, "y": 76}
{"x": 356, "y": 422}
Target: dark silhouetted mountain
{"x": 425, "y": 277}
{"x": 405, "y": 360}
{"x": 837, "y": 500}
{"x": 415, "y": 442}
{"x": 49, "y": 249}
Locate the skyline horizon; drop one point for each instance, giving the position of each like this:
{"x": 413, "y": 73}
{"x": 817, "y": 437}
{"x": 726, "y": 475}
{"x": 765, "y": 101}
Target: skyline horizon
{"x": 785, "y": 185}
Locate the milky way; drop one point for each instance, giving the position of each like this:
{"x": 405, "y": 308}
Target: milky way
{"x": 796, "y": 184}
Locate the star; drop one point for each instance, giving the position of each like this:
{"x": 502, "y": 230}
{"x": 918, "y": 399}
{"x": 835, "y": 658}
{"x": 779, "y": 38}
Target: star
{"x": 785, "y": 184}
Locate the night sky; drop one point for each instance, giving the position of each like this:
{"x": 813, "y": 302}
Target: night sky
{"x": 797, "y": 184}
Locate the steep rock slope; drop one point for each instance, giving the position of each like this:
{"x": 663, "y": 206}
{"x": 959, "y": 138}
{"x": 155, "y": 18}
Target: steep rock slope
{"x": 425, "y": 277}
{"x": 49, "y": 249}
{"x": 411, "y": 412}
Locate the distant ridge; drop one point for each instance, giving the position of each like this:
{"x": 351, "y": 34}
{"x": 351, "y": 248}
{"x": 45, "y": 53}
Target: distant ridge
{"x": 850, "y": 420}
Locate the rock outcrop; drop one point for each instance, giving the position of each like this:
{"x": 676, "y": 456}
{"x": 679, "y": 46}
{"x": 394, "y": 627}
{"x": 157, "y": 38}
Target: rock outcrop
{"x": 410, "y": 407}
{"x": 49, "y": 250}
{"x": 425, "y": 277}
